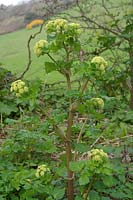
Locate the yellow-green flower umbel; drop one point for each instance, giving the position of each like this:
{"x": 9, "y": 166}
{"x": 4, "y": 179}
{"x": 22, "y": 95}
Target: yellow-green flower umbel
{"x": 97, "y": 155}
{"x": 97, "y": 103}
{"x": 63, "y": 27}
{"x": 97, "y": 159}
{"x": 41, "y": 170}
{"x": 19, "y": 88}
{"x": 56, "y": 25}
{"x": 39, "y": 47}
{"x": 100, "y": 62}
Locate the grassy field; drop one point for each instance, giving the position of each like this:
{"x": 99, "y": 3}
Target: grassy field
{"x": 14, "y": 55}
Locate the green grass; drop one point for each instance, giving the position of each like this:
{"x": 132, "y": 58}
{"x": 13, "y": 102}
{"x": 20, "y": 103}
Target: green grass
{"x": 14, "y": 55}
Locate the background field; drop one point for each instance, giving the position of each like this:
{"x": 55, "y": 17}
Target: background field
{"x": 14, "y": 55}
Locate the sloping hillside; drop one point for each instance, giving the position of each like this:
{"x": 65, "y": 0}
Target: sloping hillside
{"x": 13, "y": 18}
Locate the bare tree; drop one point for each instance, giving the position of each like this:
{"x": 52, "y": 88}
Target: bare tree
{"x": 109, "y": 23}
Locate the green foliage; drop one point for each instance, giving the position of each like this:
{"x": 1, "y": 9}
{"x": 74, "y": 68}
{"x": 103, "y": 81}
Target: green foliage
{"x": 7, "y": 106}
{"x": 57, "y": 139}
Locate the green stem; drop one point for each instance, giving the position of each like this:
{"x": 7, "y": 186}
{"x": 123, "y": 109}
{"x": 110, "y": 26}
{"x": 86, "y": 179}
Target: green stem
{"x": 70, "y": 186}
{"x": 131, "y": 72}
{"x": 84, "y": 86}
{"x": 89, "y": 188}
{"x": 52, "y": 58}
{"x": 58, "y": 130}
{"x": 68, "y": 146}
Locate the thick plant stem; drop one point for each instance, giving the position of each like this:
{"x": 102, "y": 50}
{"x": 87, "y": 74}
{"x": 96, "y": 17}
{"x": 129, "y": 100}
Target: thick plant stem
{"x": 70, "y": 191}
{"x": 131, "y": 74}
{"x": 70, "y": 188}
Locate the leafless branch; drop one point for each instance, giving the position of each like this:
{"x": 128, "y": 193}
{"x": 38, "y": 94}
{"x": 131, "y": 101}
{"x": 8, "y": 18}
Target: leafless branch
{"x": 88, "y": 19}
{"x": 29, "y": 51}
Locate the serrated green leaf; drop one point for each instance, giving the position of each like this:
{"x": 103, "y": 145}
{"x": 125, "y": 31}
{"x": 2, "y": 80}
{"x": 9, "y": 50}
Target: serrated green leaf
{"x": 93, "y": 195}
{"x": 58, "y": 193}
{"x": 105, "y": 198}
{"x": 7, "y": 109}
{"x": 76, "y": 166}
{"x": 82, "y": 147}
{"x": 108, "y": 181}
{"x": 84, "y": 178}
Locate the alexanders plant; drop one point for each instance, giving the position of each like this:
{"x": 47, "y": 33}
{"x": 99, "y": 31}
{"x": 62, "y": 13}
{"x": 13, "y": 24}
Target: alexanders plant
{"x": 64, "y": 38}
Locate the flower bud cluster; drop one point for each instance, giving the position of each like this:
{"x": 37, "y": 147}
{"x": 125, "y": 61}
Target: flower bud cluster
{"x": 63, "y": 26}
{"x": 56, "y": 25}
{"x": 39, "y": 47}
{"x": 19, "y": 88}
{"x": 100, "y": 62}
{"x": 60, "y": 32}
{"x": 97, "y": 155}
{"x": 98, "y": 102}
{"x": 41, "y": 170}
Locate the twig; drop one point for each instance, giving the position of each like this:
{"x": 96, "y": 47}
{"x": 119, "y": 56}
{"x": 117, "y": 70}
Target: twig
{"x": 84, "y": 86}
{"x": 95, "y": 142}
{"x": 1, "y": 122}
{"x": 29, "y": 51}
{"x": 88, "y": 19}
{"x": 116, "y": 139}
{"x": 79, "y": 137}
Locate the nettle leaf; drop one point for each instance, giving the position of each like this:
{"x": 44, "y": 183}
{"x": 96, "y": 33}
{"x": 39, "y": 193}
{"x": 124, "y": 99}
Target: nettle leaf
{"x": 129, "y": 116}
{"x": 76, "y": 166}
{"x": 82, "y": 147}
{"x": 58, "y": 193}
{"x": 49, "y": 198}
{"x": 2, "y": 197}
{"x": 78, "y": 198}
{"x": 13, "y": 197}
{"x": 84, "y": 178}
{"x": 49, "y": 146}
{"x": 93, "y": 195}
{"x": 50, "y": 66}
{"x": 118, "y": 194}
{"x": 109, "y": 181}
{"x": 10, "y": 121}
{"x": 77, "y": 46}
{"x": 105, "y": 198}
{"x": 123, "y": 127}
{"x": 122, "y": 177}
{"x": 128, "y": 192}
{"x": 7, "y": 109}
{"x": 81, "y": 108}
{"x": 61, "y": 171}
